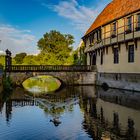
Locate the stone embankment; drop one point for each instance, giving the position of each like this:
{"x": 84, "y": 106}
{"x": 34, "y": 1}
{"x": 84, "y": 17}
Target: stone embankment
{"x": 126, "y": 81}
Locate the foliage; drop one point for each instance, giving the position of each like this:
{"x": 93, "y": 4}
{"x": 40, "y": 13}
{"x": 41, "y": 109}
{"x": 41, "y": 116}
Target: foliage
{"x": 41, "y": 84}
{"x": 2, "y": 60}
{"x": 81, "y": 55}
{"x": 30, "y": 60}
{"x": 7, "y": 83}
{"x": 55, "y": 47}
{"x": 75, "y": 58}
{"x": 19, "y": 58}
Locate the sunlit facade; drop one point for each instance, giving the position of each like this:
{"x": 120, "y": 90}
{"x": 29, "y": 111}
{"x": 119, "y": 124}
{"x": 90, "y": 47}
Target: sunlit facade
{"x": 113, "y": 41}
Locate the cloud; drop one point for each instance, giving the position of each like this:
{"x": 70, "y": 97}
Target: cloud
{"x": 17, "y": 40}
{"x": 80, "y": 16}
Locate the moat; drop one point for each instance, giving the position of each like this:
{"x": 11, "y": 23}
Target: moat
{"x": 73, "y": 113}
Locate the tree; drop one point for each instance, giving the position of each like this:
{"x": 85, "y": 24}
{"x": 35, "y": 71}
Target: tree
{"x": 19, "y": 58}
{"x": 55, "y": 47}
{"x": 82, "y": 54}
{"x": 2, "y": 60}
{"x": 30, "y": 60}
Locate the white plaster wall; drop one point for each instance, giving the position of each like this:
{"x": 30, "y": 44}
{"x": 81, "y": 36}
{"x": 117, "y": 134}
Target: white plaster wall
{"x": 123, "y": 66}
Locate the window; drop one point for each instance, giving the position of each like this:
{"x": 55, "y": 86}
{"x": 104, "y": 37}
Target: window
{"x": 101, "y": 57}
{"x": 129, "y": 25}
{"x": 91, "y": 39}
{"x": 131, "y": 53}
{"x": 116, "y": 55}
{"x": 93, "y": 59}
{"x": 138, "y": 22}
{"x": 96, "y": 36}
{"x": 99, "y": 35}
{"x": 114, "y": 28}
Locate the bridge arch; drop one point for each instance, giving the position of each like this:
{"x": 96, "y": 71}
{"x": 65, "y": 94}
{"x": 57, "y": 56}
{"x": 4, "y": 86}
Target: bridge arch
{"x": 67, "y": 78}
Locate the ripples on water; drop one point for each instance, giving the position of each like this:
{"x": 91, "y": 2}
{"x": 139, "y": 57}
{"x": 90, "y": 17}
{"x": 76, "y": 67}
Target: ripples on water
{"x": 75, "y": 113}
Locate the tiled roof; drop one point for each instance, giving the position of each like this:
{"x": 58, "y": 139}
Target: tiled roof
{"x": 115, "y": 9}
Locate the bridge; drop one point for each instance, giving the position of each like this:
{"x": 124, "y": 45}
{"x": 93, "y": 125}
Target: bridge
{"x": 50, "y": 68}
{"x": 67, "y": 74}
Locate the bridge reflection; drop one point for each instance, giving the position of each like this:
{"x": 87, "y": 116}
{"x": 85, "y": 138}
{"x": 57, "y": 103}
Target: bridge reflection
{"x": 10, "y": 104}
{"x": 22, "y": 103}
{"x": 19, "y": 98}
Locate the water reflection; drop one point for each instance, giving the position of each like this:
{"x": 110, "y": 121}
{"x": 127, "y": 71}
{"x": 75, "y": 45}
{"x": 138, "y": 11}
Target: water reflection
{"x": 41, "y": 84}
{"x": 96, "y": 114}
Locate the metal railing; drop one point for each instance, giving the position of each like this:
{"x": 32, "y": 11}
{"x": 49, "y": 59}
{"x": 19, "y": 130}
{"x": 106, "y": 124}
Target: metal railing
{"x": 50, "y": 68}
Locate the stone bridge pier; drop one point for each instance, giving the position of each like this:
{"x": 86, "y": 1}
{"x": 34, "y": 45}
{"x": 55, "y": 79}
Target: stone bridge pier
{"x": 67, "y": 78}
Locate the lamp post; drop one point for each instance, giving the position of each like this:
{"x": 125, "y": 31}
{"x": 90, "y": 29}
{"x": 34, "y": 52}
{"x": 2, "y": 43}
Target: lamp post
{"x": 8, "y": 60}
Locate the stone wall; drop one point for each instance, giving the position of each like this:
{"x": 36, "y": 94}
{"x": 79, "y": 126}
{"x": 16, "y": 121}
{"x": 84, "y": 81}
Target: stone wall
{"x": 127, "y": 81}
{"x": 68, "y": 78}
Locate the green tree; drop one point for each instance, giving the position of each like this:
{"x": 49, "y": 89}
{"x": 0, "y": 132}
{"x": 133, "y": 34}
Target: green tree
{"x": 30, "y": 60}
{"x": 19, "y": 58}
{"x": 55, "y": 47}
{"x": 82, "y": 54}
{"x": 2, "y": 60}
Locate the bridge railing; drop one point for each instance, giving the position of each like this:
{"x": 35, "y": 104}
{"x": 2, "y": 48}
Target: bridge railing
{"x": 49, "y": 68}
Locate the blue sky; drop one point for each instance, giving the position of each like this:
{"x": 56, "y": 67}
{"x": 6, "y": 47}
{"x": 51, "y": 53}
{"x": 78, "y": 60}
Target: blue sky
{"x": 23, "y": 22}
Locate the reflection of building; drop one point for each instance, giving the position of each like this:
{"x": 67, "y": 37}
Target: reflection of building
{"x": 113, "y": 44}
{"x": 108, "y": 120}
{"x": 129, "y": 99}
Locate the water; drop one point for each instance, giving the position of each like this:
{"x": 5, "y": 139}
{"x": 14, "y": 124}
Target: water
{"x": 41, "y": 84}
{"x": 74, "y": 113}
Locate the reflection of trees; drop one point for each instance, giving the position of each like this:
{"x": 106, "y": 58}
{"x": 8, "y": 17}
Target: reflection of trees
{"x": 55, "y": 111}
{"x": 56, "y": 104}
{"x": 63, "y": 95}
{"x": 44, "y": 84}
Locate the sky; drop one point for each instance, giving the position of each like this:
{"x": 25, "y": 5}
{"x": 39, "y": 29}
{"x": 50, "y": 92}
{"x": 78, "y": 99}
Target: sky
{"x": 23, "y": 22}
